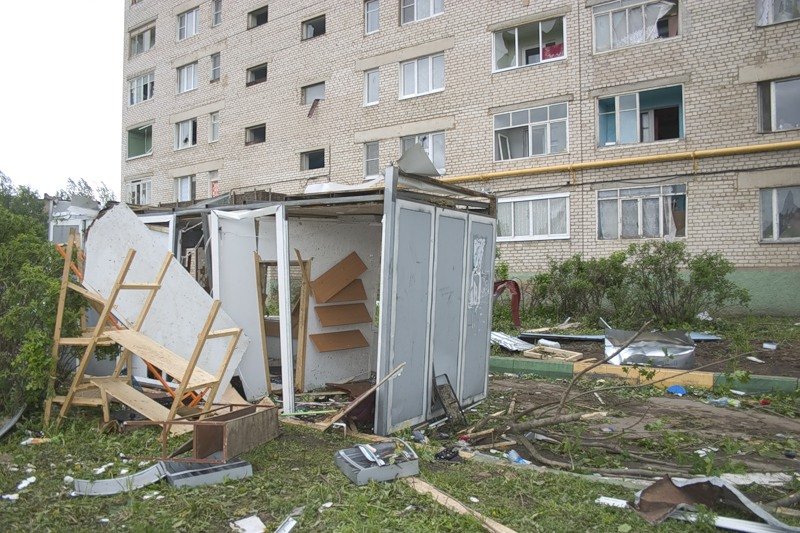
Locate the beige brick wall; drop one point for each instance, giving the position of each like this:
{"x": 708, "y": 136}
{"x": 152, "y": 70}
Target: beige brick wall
{"x": 713, "y": 57}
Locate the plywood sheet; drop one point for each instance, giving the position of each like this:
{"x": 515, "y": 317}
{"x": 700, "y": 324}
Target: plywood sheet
{"x": 354, "y": 292}
{"x": 340, "y": 340}
{"x": 343, "y": 315}
{"x": 181, "y": 305}
{"x": 338, "y": 277}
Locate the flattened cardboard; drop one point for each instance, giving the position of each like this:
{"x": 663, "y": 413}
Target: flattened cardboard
{"x": 340, "y": 340}
{"x": 354, "y": 292}
{"x": 338, "y": 277}
{"x": 342, "y": 315}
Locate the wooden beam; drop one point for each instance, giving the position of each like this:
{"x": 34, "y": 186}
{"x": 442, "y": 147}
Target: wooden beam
{"x": 302, "y": 323}
{"x": 262, "y": 326}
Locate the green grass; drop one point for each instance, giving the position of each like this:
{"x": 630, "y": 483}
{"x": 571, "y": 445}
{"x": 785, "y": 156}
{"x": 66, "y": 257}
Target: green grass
{"x": 294, "y": 470}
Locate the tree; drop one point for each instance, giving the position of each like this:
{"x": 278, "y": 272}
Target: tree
{"x": 81, "y": 187}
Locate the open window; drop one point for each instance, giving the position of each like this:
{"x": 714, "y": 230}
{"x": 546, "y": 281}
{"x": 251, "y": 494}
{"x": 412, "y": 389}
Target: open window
{"x": 186, "y": 134}
{"x": 628, "y": 22}
{"x": 255, "y": 134}
{"x": 140, "y": 141}
{"x": 780, "y": 104}
{"x": 432, "y": 143}
{"x": 257, "y": 17}
{"x": 529, "y": 132}
{"x": 257, "y": 74}
{"x": 142, "y": 39}
{"x": 314, "y": 27}
{"x": 646, "y": 116}
{"x": 312, "y": 160}
{"x": 139, "y": 191}
{"x": 529, "y": 44}
{"x": 780, "y": 214}
{"x": 313, "y": 92}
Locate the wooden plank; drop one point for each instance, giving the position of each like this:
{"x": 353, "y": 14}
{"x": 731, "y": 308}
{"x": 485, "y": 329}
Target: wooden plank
{"x": 302, "y": 323}
{"x": 670, "y": 376}
{"x": 339, "y": 340}
{"x": 354, "y": 292}
{"x": 86, "y": 293}
{"x": 83, "y": 341}
{"x": 250, "y": 431}
{"x": 142, "y": 404}
{"x": 537, "y": 352}
{"x": 343, "y": 314}
{"x": 338, "y": 277}
{"x": 160, "y": 357}
{"x": 262, "y": 325}
{"x": 454, "y": 505}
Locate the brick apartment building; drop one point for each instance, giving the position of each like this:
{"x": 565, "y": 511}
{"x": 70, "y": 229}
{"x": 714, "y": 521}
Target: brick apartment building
{"x": 595, "y": 123}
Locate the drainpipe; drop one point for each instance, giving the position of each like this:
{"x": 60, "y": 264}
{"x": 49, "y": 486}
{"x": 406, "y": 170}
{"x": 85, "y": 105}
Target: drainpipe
{"x": 679, "y": 156}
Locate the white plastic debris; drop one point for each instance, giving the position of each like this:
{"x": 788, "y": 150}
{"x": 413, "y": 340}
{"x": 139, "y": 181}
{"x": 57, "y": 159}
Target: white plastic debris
{"x": 770, "y": 479}
{"x": 104, "y": 520}
{"x": 738, "y": 392}
{"x": 68, "y": 480}
{"x": 612, "y": 502}
{"x": 10, "y": 497}
{"x": 702, "y": 452}
{"x": 770, "y": 346}
{"x": 703, "y": 315}
{"x": 326, "y": 505}
{"x": 549, "y": 344}
{"x": 251, "y": 524}
{"x": 26, "y": 482}
{"x": 473, "y": 499}
{"x": 123, "y": 471}
{"x": 102, "y": 469}
{"x": 754, "y": 359}
{"x": 150, "y": 495}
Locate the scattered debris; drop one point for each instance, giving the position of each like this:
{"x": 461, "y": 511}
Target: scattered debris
{"x": 754, "y": 359}
{"x": 770, "y": 346}
{"x": 702, "y": 452}
{"x": 251, "y": 524}
{"x": 509, "y": 343}
{"x": 677, "y": 390}
{"x": 9, "y": 423}
{"x": 771, "y": 479}
{"x": 326, "y": 505}
{"x": 33, "y": 441}
{"x": 382, "y": 461}
{"x": 10, "y": 497}
{"x": 663, "y": 349}
{"x": 612, "y": 502}
{"x": 514, "y": 457}
{"x": 25, "y": 483}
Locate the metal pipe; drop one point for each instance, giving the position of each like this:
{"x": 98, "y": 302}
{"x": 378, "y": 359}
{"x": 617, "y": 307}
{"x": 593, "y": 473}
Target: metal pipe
{"x": 661, "y": 158}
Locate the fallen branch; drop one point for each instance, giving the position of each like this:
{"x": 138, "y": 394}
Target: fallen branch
{"x": 553, "y": 420}
{"x": 788, "y": 501}
{"x": 536, "y": 456}
{"x": 577, "y": 376}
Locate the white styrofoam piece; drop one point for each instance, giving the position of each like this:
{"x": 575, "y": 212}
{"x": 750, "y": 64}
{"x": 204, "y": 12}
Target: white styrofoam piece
{"x": 181, "y": 305}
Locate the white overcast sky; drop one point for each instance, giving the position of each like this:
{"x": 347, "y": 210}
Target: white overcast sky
{"x": 60, "y": 92}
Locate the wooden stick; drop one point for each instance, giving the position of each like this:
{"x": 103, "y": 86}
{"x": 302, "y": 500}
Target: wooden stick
{"x": 553, "y": 420}
{"x": 302, "y": 325}
{"x": 263, "y": 327}
{"x": 454, "y": 505}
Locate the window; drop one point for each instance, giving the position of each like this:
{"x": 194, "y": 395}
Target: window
{"x": 213, "y": 183}
{"x": 140, "y": 141}
{"x": 780, "y": 104}
{"x": 642, "y": 212}
{"x": 255, "y": 134}
{"x": 186, "y": 133}
{"x": 432, "y": 143}
{"x": 216, "y": 13}
{"x": 187, "y": 78}
{"x": 422, "y": 76}
{"x": 187, "y": 23}
{"x": 533, "y": 218}
{"x": 141, "y": 88}
{"x": 312, "y": 160}
{"x": 142, "y": 40}
{"x": 139, "y": 192}
{"x": 372, "y": 84}
{"x": 628, "y": 22}
{"x": 257, "y": 74}
{"x": 411, "y": 10}
{"x": 257, "y": 17}
{"x": 372, "y": 167}
{"x": 313, "y": 92}
{"x": 646, "y": 116}
{"x": 372, "y": 16}
{"x": 780, "y": 214}
{"x": 185, "y": 189}
{"x": 527, "y": 132}
{"x": 774, "y": 11}
{"x": 216, "y": 67}
{"x": 314, "y": 27}
{"x": 213, "y": 130}
{"x": 532, "y": 43}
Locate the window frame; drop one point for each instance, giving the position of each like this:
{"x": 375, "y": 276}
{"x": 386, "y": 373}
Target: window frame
{"x": 183, "y": 25}
{"x": 516, "y": 44}
{"x": 304, "y": 160}
{"x": 216, "y": 13}
{"x": 248, "y": 134}
{"x": 769, "y": 86}
{"x": 431, "y": 155}
{"x": 192, "y": 122}
{"x": 252, "y": 17}
{"x": 213, "y": 127}
{"x": 530, "y": 235}
{"x": 681, "y": 118}
{"x": 662, "y": 195}
{"x": 416, "y": 61}
{"x": 146, "y": 153}
{"x": 367, "y": 73}
{"x": 216, "y": 70}
{"x": 367, "y": 159}
{"x": 251, "y": 80}
{"x": 772, "y": 22}
{"x": 531, "y": 125}
{"x": 150, "y": 29}
{"x": 307, "y": 24}
{"x": 181, "y": 78}
{"x": 367, "y": 11}
{"x": 626, "y": 9}
{"x": 136, "y": 89}
{"x": 776, "y": 239}
{"x": 303, "y": 92}
{"x": 413, "y": 3}
{"x": 213, "y": 177}
{"x": 192, "y": 178}
{"x": 137, "y": 187}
